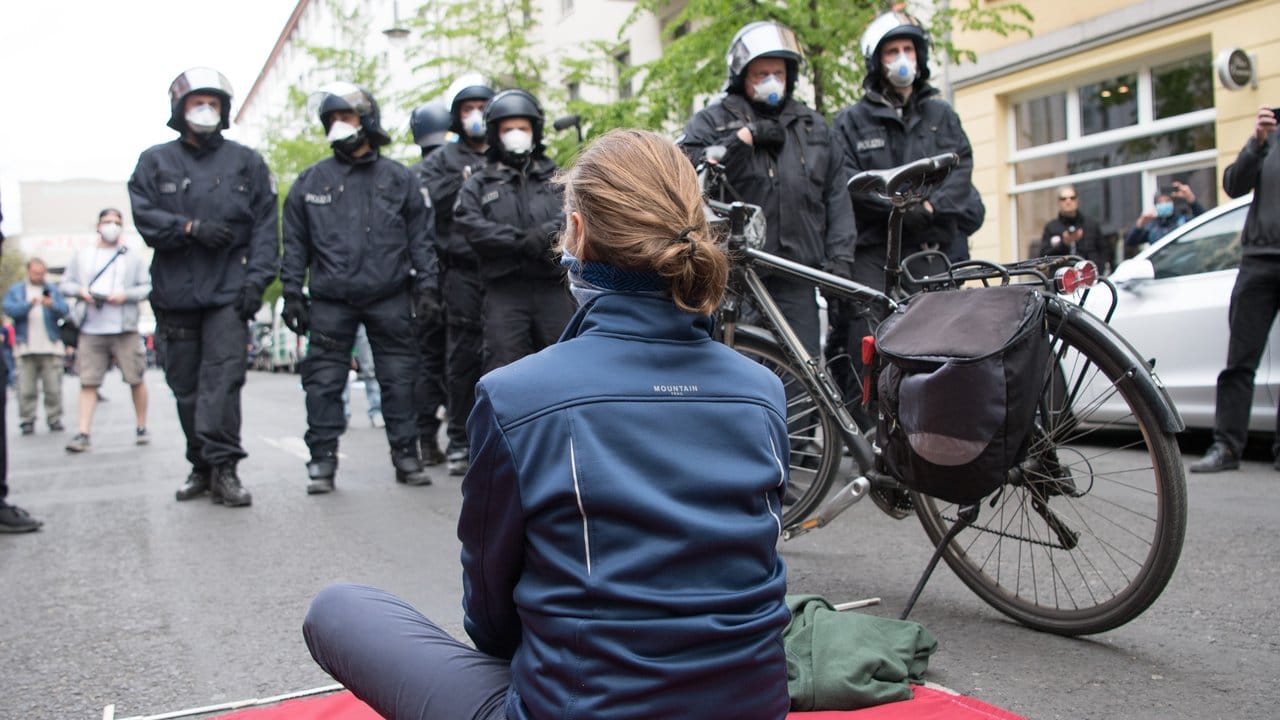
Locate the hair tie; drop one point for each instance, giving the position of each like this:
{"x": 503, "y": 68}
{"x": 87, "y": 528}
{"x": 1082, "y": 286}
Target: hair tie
{"x": 686, "y": 235}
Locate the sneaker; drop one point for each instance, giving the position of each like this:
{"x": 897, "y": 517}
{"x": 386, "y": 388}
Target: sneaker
{"x": 141, "y": 436}
{"x": 459, "y": 461}
{"x": 78, "y": 444}
{"x": 16, "y": 520}
{"x": 56, "y": 426}
{"x": 376, "y": 420}
{"x": 1217, "y": 458}
{"x": 28, "y": 428}
{"x": 431, "y": 455}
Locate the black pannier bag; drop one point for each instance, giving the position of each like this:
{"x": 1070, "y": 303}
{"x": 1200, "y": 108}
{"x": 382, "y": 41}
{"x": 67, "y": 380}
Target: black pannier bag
{"x": 960, "y": 374}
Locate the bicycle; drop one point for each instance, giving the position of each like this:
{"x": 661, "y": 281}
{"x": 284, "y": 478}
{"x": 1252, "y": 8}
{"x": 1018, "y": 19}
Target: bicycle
{"x": 1082, "y": 537}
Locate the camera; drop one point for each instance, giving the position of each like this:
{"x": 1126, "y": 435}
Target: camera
{"x": 44, "y": 292}
{"x": 98, "y": 300}
{"x": 1071, "y": 228}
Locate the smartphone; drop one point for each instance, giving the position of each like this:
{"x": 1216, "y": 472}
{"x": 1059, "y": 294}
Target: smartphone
{"x": 45, "y": 292}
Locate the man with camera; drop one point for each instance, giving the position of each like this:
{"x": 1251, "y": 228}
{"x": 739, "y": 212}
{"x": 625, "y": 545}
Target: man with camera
{"x": 36, "y": 308}
{"x": 1255, "y": 299}
{"x": 110, "y": 282}
{"x": 1173, "y": 206}
{"x": 1072, "y": 233}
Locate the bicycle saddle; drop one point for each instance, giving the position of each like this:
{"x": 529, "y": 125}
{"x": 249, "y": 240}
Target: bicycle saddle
{"x": 904, "y": 179}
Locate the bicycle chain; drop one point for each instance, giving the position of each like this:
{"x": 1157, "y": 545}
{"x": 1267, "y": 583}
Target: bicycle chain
{"x": 1001, "y": 533}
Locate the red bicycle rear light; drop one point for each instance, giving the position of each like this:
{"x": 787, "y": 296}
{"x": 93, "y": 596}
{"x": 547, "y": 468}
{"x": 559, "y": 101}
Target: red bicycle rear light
{"x": 1067, "y": 280}
{"x": 1088, "y": 273}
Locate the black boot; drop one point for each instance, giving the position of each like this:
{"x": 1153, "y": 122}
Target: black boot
{"x": 409, "y": 468}
{"x": 227, "y": 489}
{"x": 196, "y": 485}
{"x": 321, "y": 470}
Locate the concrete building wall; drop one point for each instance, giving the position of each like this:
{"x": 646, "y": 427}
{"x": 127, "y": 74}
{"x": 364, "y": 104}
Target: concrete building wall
{"x": 1107, "y": 43}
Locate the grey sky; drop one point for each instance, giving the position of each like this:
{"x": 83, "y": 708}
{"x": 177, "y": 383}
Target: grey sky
{"x": 84, "y": 82}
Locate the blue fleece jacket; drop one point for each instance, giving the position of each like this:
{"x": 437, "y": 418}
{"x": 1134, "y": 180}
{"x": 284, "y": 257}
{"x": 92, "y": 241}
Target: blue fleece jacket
{"x": 17, "y": 307}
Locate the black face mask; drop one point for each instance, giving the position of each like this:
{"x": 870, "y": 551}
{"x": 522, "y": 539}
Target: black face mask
{"x": 517, "y": 161}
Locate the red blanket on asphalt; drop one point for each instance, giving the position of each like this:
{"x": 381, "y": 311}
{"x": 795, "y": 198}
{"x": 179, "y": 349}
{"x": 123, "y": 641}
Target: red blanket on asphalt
{"x": 928, "y": 704}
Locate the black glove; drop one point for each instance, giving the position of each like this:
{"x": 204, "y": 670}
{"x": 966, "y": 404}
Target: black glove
{"x": 535, "y": 243}
{"x": 767, "y": 134}
{"x": 213, "y": 234}
{"x": 296, "y": 313}
{"x": 249, "y": 301}
{"x": 915, "y": 223}
{"x": 426, "y": 307}
{"x": 840, "y": 267}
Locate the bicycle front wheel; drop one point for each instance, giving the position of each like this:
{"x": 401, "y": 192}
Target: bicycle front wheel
{"x": 1088, "y": 530}
{"x": 815, "y": 437}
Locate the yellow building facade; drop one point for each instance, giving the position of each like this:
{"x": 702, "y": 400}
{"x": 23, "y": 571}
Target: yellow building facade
{"x": 1117, "y": 99}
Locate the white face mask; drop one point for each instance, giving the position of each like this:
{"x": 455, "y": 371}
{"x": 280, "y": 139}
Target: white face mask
{"x": 517, "y": 142}
{"x": 203, "y": 119}
{"x": 769, "y": 91}
{"x": 901, "y": 72}
{"x": 340, "y": 131}
{"x": 473, "y": 124}
{"x": 110, "y": 231}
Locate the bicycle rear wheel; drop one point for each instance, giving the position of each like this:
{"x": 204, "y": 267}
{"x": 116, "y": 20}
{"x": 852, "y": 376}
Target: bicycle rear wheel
{"x": 815, "y": 437}
{"x": 1088, "y": 530}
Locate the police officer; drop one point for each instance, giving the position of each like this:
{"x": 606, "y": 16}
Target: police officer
{"x": 207, "y": 206}
{"x": 359, "y": 224}
{"x": 510, "y": 213}
{"x": 900, "y": 118}
{"x": 779, "y": 156}
{"x": 462, "y": 288}
{"x": 429, "y": 123}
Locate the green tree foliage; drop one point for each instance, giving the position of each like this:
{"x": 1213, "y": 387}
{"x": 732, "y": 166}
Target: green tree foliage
{"x": 692, "y": 66}
{"x": 490, "y": 37}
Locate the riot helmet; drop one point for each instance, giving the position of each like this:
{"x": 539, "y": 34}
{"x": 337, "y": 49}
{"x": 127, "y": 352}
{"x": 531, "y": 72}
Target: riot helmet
{"x": 346, "y": 96}
{"x": 198, "y": 80}
{"x": 471, "y": 86}
{"x": 890, "y": 26}
{"x": 512, "y": 104}
{"x": 762, "y": 39}
{"x": 429, "y": 124}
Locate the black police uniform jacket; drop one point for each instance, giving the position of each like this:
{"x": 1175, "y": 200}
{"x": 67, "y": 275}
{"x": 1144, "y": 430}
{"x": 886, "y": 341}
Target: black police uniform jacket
{"x": 873, "y": 136}
{"x": 801, "y": 187}
{"x": 175, "y": 183}
{"x": 500, "y": 206}
{"x": 442, "y": 173}
{"x": 364, "y": 230}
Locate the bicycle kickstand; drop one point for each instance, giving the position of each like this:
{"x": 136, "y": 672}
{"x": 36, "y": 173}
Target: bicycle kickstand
{"x": 967, "y": 515}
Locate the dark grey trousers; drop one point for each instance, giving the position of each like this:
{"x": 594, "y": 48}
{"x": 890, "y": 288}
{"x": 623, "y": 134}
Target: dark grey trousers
{"x": 400, "y": 663}
{"x": 1255, "y": 301}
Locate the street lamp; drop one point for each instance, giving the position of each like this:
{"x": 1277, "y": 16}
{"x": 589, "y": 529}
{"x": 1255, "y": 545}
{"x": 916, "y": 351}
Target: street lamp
{"x": 396, "y": 32}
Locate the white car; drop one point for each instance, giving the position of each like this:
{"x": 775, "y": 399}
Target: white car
{"x": 1172, "y": 307}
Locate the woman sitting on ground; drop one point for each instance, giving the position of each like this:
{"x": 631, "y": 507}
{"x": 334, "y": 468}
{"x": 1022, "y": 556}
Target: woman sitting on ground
{"x": 622, "y": 509}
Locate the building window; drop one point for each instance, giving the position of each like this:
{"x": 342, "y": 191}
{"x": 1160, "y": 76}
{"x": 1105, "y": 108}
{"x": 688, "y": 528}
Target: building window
{"x": 1109, "y": 104}
{"x": 566, "y": 8}
{"x": 575, "y": 91}
{"x": 1118, "y": 139}
{"x": 623, "y": 61}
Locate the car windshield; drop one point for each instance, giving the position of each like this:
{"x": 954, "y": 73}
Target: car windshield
{"x": 1212, "y": 246}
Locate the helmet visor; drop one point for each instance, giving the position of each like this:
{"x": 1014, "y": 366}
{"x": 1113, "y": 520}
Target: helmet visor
{"x": 201, "y": 78}
{"x": 760, "y": 39}
{"x": 339, "y": 96}
{"x": 881, "y": 27}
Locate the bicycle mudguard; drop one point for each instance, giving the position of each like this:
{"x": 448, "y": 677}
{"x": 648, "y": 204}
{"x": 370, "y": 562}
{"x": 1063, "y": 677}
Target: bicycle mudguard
{"x": 1137, "y": 370}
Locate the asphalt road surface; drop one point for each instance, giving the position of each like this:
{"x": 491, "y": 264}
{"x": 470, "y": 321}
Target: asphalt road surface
{"x": 127, "y": 597}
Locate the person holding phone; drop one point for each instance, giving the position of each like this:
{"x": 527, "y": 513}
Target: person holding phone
{"x": 1174, "y": 206}
{"x": 1255, "y": 299}
{"x": 36, "y": 307}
